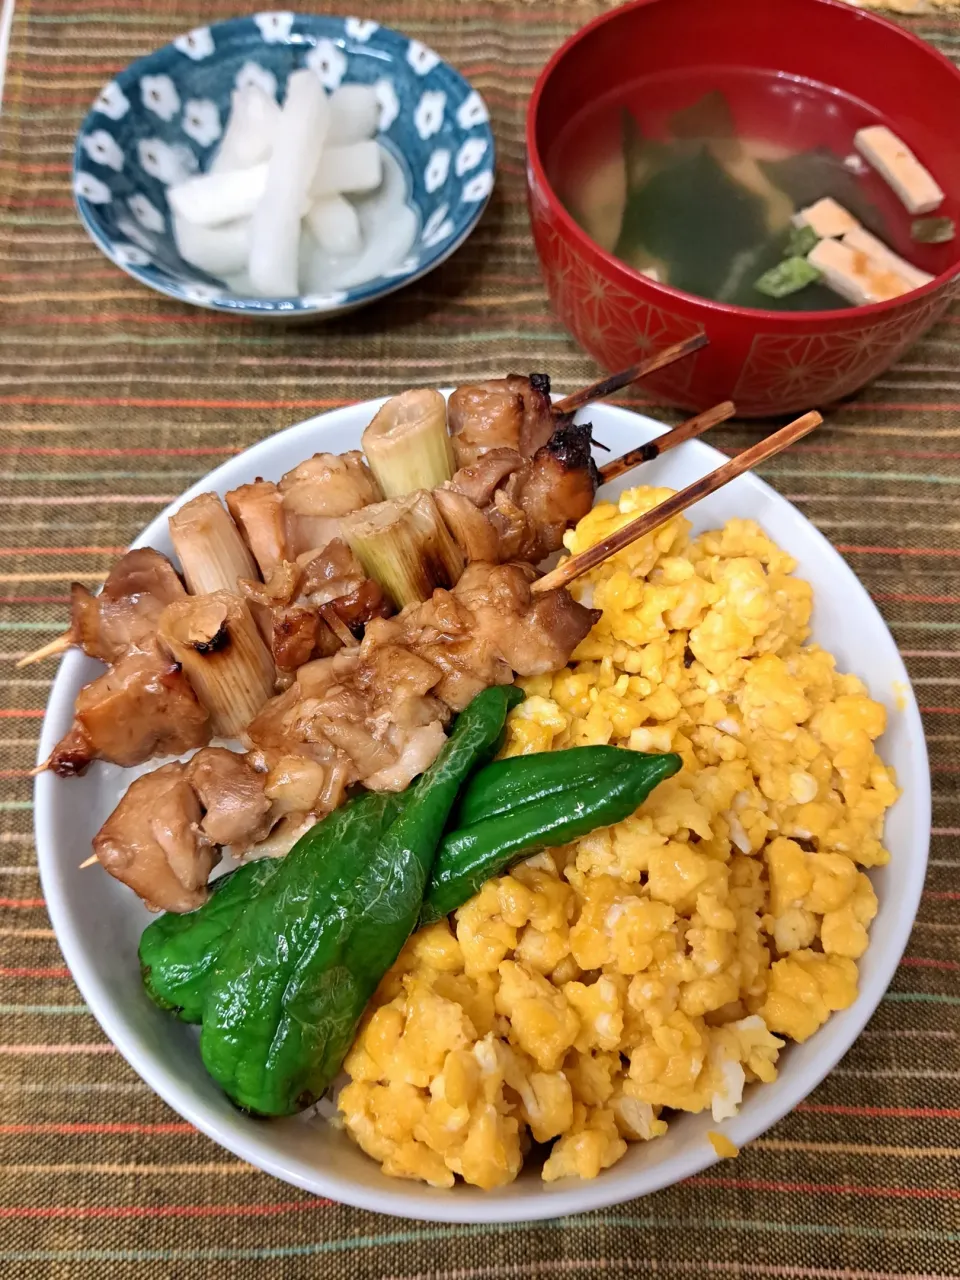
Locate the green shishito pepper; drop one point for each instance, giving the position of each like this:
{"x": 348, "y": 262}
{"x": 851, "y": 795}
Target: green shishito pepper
{"x": 178, "y": 952}
{"x": 306, "y": 955}
{"x": 570, "y": 794}
{"x": 541, "y": 792}
{"x": 504, "y": 785}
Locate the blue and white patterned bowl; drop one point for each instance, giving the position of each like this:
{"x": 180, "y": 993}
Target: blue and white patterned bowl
{"x": 161, "y": 120}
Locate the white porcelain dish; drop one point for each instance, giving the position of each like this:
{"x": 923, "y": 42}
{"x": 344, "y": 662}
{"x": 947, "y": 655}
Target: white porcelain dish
{"x": 98, "y": 921}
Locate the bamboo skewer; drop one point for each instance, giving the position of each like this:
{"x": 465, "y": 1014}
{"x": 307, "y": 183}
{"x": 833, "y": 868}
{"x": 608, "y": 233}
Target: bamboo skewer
{"x": 688, "y": 430}
{"x": 617, "y": 381}
{"x": 569, "y": 404}
{"x": 89, "y": 862}
{"x": 60, "y": 645}
{"x": 650, "y": 520}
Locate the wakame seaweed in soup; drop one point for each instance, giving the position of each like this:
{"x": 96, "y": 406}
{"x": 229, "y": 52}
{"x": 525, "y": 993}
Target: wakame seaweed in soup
{"x": 693, "y": 178}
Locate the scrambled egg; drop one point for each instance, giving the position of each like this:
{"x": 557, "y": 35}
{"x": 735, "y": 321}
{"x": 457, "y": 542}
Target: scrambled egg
{"x": 658, "y": 965}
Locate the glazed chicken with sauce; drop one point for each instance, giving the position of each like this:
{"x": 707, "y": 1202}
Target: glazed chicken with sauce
{"x": 316, "y": 604}
{"x": 514, "y": 507}
{"x": 164, "y": 837}
{"x": 505, "y": 413}
{"x": 336, "y": 692}
{"x": 142, "y": 706}
{"x": 526, "y": 474}
{"x": 374, "y": 715}
{"x": 123, "y": 617}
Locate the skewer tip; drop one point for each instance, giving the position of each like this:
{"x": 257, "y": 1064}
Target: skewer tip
{"x": 40, "y": 768}
{"x": 617, "y": 381}
{"x": 89, "y": 862}
{"x": 60, "y": 645}
{"x": 688, "y": 430}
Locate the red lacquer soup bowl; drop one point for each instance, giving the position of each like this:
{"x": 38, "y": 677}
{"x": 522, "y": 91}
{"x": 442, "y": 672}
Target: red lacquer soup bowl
{"x": 860, "y": 70}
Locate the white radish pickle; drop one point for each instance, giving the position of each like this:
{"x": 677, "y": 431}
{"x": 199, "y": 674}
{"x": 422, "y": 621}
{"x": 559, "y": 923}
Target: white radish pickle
{"x": 389, "y": 228}
{"x": 220, "y": 251}
{"x": 254, "y": 115}
{"x": 335, "y": 225}
{"x": 271, "y": 217}
{"x": 899, "y": 167}
{"x": 354, "y": 114}
{"x": 212, "y": 199}
{"x": 275, "y": 230}
{"x": 356, "y": 168}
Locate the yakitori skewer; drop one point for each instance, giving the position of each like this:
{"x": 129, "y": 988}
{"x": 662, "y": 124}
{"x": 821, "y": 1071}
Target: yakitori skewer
{"x": 650, "y": 520}
{"x": 617, "y": 381}
{"x": 688, "y": 430}
{"x": 417, "y": 615}
{"x": 597, "y": 390}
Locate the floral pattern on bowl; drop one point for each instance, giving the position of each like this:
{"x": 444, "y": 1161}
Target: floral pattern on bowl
{"x": 161, "y": 120}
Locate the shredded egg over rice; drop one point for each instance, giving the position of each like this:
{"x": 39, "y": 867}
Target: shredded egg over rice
{"x": 661, "y": 964}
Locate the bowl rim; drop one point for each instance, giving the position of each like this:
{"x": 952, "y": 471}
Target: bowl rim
{"x": 292, "y": 307}
{"x": 627, "y": 274}
{"x": 253, "y": 1144}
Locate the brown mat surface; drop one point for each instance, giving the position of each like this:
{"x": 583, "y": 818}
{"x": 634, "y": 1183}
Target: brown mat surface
{"x": 112, "y": 400}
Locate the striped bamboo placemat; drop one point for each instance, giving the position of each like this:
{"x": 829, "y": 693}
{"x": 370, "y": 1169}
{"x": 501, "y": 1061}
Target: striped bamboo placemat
{"x": 910, "y": 7}
{"x": 112, "y": 400}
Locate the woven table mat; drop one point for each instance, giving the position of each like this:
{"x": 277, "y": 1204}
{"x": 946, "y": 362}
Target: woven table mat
{"x": 112, "y": 401}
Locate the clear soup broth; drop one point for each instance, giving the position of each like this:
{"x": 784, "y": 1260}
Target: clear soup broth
{"x": 693, "y": 177}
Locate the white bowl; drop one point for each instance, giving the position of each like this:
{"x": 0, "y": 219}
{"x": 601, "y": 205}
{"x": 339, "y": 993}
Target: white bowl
{"x": 98, "y": 921}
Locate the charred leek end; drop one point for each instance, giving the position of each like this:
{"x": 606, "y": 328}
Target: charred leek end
{"x": 408, "y": 445}
{"x": 216, "y": 642}
{"x": 406, "y": 547}
{"x": 212, "y": 553}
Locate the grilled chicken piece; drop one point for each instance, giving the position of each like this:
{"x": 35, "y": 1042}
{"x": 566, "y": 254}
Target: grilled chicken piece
{"x": 316, "y": 605}
{"x": 381, "y": 715}
{"x": 154, "y": 843}
{"x": 382, "y": 706}
{"x": 555, "y": 490}
{"x": 481, "y": 479}
{"x": 532, "y": 633}
{"x": 294, "y": 632}
{"x": 361, "y": 605}
{"x": 374, "y": 714}
{"x": 258, "y": 511}
{"x": 295, "y": 785}
{"x": 142, "y": 707}
{"x": 123, "y": 617}
{"x": 371, "y": 713}
{"x": 445, "y": 636}
{"x": 522, "y": 505}
{"x": 512, "y": 413}
{"x": 285, "y": 724}
{"x": 297, "y": 635}
{"x": 236, "y": 809}
{"x": 318, "y": 492}
{"x": 330, "y": 573}
{"x": 416, "y": 750}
